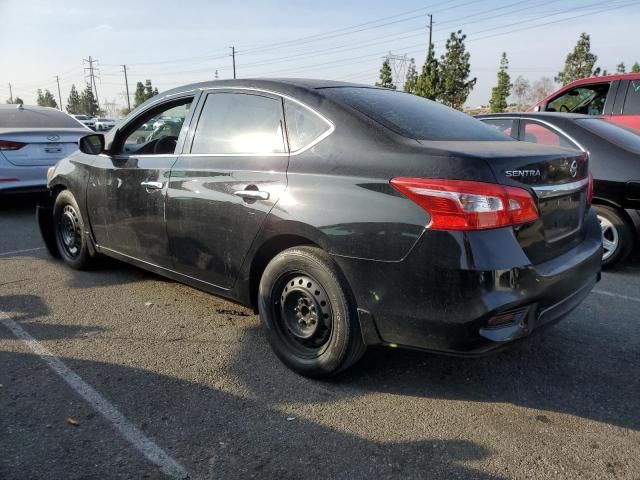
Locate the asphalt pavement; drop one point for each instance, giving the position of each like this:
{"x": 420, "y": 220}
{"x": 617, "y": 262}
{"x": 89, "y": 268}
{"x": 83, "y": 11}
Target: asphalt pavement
{"x": 119, "y": 373}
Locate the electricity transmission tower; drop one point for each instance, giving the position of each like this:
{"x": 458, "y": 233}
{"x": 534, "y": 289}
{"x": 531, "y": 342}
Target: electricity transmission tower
{"x": 93, "y": 72}
{"x": 398, "y": 68}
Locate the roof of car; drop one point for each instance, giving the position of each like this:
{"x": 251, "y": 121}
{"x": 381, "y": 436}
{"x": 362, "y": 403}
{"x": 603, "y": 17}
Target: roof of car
{"x": 605, "y": 78}
{"x": 545, "y": 115}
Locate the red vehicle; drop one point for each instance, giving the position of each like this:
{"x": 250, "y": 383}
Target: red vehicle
{"x": 614, "y": 97}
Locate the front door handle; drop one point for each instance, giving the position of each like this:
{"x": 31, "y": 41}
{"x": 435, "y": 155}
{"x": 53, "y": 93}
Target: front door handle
{"x": 152, "y": 185}
{"x": 252, "y": 194}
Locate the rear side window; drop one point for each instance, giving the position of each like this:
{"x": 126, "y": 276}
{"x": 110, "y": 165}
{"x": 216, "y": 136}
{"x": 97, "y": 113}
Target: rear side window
{"x": 239, "y": 123}
{"x": 37, "y": 118}
{"x": 616, "y": 134}
{"x": 535, "y": 132}
{"x": 304, "y": 127}
{"x": 632, "y": 102}
{"x": 412, "y": 116}
{"x": 504, "y": 125}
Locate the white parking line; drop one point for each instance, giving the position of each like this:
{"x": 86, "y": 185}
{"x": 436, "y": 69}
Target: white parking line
{"x": 139, "y": 440}
{"x": 15, "y": 252}
{"x": 617, "y": 295}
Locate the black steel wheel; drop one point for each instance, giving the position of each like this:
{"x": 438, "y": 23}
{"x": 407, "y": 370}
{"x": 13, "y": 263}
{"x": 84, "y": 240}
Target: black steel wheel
{"x": 69, "y": 232}
{"x": 308, "y": 312}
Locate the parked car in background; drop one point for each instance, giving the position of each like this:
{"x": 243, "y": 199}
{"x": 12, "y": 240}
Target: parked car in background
{"x": 615, "y": 97}
{"x": 614, "y": 160}
{"x": 32, "y": 139}
{"x": 86, "y": 121}
{"x": 345, "y": 215}
{"x": 104, "y": 124}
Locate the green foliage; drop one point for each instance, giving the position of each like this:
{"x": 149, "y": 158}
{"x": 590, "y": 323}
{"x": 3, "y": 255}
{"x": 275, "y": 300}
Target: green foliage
{"x": 386, "y": 78}
{"x": 579, "y": 63}
{"x": 143, "y": 92}
{"x": 15, "y": 101}
{"x": 521, "y": 90}
{"x": 46, "y": 99}
{"x": 455, "y": 70}
{"x": 621, "y": 68}
{"x": 88, "y": 103}
{"x": 635, "y": 68}
{"x": 428, "y": 84}
{"x": 73, "y": 102}
{"x": 411, "y": 78}
{"x": 502, "y": 90}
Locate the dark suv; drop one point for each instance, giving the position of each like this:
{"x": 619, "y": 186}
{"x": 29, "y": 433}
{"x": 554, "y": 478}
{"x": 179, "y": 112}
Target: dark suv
{"x": 345, "y": 215}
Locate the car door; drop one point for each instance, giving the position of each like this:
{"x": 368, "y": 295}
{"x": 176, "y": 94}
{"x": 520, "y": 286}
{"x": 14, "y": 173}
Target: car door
{"x": 221, "y": 189}
{"x": 127, "y": 188}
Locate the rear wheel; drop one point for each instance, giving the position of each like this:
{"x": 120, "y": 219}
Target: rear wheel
{"x": 69, "y": 232}
{"x": 617, "y": 235}
{"x": 308, "y": 313}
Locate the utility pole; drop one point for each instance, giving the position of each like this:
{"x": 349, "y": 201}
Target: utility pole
{"x": 59, "y": 96}
{"x": 126, "y": 83}
{"x": 92, "y": 79}
{"x": 430, "y": 30}
{"x": 10, "y": 94}
{"x": 233, "y": 54}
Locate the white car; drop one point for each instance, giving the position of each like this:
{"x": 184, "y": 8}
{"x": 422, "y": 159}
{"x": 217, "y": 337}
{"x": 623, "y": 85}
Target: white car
{"x": 86, "y": 121}
{"x": 104, "y": 124}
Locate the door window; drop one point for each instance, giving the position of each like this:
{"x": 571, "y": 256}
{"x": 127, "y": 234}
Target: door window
{"x": 534, "y": 132}
{"x": 239, "y": 123}
{"x": 587, "y": 99}
{"x": 632, "y": 102}
{"x": 504, "y": 125}
{"x": 303, "y": 126}
{"x": 157, "y": 132}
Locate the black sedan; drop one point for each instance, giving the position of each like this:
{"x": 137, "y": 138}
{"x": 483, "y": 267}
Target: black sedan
{"x": 614, "y": 155}
{"x": 345, "y": 215}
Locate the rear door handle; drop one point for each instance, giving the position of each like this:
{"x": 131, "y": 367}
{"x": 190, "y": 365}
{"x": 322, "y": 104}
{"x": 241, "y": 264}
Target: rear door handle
{"x": 252, "y": 194}
{"x": 152, "y": 185}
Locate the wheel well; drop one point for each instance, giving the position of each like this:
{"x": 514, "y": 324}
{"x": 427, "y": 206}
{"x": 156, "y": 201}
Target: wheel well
{"x": 265, "y": 254}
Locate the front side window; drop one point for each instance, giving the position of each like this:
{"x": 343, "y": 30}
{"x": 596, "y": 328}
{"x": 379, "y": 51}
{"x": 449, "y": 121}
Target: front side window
{"x": 157, "y": 132}
{"x": 587, "y": 99}
{"x": 504, "y": 125}
{"x": 632, "y": 102}
{"x": 535, "y": 132}
{"x": 303, "y": 126}
{"x": 239, "y": 123}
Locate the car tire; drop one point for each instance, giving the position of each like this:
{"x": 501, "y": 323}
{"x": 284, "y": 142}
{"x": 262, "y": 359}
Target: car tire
{"x": 308, "y": 313}
{"x": 617, "y": 236}
{"x": 70, "y": 236}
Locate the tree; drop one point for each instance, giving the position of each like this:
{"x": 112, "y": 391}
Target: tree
{"x": 454, "y": 72}
{"x": 541, "y": 89}
{"x": 88, "y": 103}
{"x": 635, "y": 68}
{"x": 73, "y": 102}
{"x": 411, "y": 78}
{"x": 521, "y": 90}
{"x": 46, "y": 99}
{"x": 15, "y": 101}
{"x": 386, "y": 79}
{"x": 620, "y": 68}
{"x": 502, "y": 90}
{"x": 143, "y": 92}
{"x": 579, "y": 63}
{"x": 428, "y": 84}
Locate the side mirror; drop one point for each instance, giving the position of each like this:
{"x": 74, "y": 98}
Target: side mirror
{"x": 92, "y": 144}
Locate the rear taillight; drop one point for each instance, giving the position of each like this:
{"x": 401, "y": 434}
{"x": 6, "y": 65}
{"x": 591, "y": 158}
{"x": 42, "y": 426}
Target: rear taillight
{"x": 590, "y": 189}
{"x": 10, "y": 145}
{"x": 468, "y": 205}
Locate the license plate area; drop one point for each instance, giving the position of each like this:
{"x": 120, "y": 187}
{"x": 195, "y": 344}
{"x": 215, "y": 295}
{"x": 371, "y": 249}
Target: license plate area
{"x": 53, "y": 148}
{"x": 562, "y": 216}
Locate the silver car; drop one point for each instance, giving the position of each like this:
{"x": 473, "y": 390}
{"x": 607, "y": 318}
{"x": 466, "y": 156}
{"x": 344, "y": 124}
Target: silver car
{"x": 32, "y": 139}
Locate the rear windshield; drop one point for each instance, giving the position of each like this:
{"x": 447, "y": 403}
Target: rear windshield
{"x": 15, "y": 118}
{"x": 412, "y": 116}
{"x": 617, "y": 134}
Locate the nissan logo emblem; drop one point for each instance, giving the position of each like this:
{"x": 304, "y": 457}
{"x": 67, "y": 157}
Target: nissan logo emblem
{"x": 573, "y": 170}
{"x": 53, "y": 138}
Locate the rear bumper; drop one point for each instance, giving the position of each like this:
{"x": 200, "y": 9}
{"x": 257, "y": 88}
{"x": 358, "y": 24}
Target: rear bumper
{"x": 443, "y": 294}
{"x": 27, "y": 178}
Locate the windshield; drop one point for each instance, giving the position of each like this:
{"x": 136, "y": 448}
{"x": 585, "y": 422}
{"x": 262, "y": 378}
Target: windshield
{"x": 26, "y": 118}
{"x": 414, "y": 117}
{"x": 617, "y": 134}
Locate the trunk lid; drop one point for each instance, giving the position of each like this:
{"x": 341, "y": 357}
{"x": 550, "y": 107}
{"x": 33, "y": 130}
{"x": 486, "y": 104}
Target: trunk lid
{"x": 556, "y": 178}
{"x": 42, "y": 146}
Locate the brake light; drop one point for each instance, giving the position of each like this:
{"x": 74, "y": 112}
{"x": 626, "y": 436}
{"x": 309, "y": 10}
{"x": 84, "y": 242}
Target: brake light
{"x": 10, "y": 145}
{"x": 468, "y": 205}
{"x": 590, "y": 189}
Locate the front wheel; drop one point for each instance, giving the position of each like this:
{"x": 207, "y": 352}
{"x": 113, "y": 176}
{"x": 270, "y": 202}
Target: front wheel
{"x": 617, "y": 236}
{"x": 70, "y": 236}
{"x": 308, "y": 312}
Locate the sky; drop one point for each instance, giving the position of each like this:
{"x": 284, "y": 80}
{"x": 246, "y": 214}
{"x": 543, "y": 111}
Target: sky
{"x": 176, "y": 43}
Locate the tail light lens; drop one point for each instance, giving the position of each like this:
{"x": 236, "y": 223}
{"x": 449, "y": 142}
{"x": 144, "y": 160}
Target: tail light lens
{"x": 468, "y": 205}
{"x": 590, "y": 189}
{"x": 10, "y": 145}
